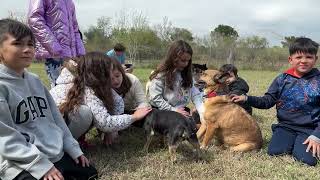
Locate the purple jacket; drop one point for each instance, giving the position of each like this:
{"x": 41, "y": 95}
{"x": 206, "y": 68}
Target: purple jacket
{"x": 55, "y": 27}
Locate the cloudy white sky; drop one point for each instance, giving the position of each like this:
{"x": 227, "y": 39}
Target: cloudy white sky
{"x": 272, "y": 19}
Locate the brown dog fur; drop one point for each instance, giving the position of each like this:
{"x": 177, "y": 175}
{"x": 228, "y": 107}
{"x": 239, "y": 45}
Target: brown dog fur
{"x": 231, "y": 125}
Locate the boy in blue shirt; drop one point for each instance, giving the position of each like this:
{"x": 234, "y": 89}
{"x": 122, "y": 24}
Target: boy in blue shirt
{"x": 296, "y": 94}
{"x": 118, "y": 52}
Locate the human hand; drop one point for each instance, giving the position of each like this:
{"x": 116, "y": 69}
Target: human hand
{"x": 53, "y": 174}
{"x": 314, "y": 146}
{"x": 140, "y": 113}
{"x": 110, "y": 138}
{"x": 236, "y": 98}
{"x": 83, "y": 160}
{"x": 183, "y": 112}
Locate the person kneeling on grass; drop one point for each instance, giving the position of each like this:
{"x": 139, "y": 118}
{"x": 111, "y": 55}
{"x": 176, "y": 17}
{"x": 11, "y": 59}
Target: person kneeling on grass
{"x": 35, "y": 142}
{"x": 129, "y": 87}
{"x": 171, "y": 84}
{"x": 86, "y": 97}
{"x": 296, "y": 94}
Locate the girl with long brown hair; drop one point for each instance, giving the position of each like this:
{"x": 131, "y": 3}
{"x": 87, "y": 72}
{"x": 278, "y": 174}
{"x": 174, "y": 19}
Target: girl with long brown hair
{"x": 91, "y": 88}
{"x": 171, "y": 85}
{"x": 129, "y": 87}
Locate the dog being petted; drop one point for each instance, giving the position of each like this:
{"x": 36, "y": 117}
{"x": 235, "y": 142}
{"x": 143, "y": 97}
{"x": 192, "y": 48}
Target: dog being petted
{"x": 173, "y": 126}
{"x": 226, "y": 121}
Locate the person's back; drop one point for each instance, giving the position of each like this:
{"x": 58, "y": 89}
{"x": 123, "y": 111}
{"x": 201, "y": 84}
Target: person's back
{"x": 296, "y": 94}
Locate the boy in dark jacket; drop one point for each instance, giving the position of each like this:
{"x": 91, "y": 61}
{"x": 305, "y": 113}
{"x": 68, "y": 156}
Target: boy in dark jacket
{"x": 296, "y": 94}
{"x": 236, "y": 84}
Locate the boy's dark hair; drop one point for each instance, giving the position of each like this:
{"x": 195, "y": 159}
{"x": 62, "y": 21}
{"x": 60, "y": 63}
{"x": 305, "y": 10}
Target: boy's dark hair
{"x": 304, "y": 45}
{"x": 226, "y": 68}
{"x": 15, "y": 28}
{"x": 119, "y": 47}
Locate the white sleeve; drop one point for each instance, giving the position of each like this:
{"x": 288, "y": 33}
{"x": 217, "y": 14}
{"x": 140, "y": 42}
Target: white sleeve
{"x": 102, "y": 119}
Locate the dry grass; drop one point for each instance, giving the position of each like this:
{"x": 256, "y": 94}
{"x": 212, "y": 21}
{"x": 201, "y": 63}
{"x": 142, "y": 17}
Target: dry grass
{"x": 126, "y": 160}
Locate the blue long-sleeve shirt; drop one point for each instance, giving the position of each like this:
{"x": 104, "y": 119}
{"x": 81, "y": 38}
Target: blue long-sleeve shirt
{"x": 296, "y": 99}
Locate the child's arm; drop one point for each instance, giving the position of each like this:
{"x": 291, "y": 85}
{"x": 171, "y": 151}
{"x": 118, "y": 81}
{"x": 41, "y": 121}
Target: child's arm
{"x": 15, "y": 148}
{"x": 70, "y": 145}
{"x": 102, "y": 119}
{"x": 39, "y": 27}
{"x": 156, "y": 91}
{"x": 264, "y": 102}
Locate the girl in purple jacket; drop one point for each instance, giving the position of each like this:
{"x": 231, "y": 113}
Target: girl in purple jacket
{"x": 56, "y": 30}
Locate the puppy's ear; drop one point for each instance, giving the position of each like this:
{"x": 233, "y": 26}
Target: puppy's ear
{"x": 204, "y": 67}
{"x": 221, "y": 78}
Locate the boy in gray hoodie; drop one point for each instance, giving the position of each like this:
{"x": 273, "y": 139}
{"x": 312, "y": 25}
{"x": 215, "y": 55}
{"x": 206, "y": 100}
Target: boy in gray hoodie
{"x": 34, "y": 139}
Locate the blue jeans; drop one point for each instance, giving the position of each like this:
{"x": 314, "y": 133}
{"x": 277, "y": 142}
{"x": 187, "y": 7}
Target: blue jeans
{"x": 53, "y": 69}
{"x": 287, "y": 141}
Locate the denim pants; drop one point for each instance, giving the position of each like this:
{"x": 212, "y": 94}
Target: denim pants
{"x": 53, "y": 69}
{"x": 288, "y": 141}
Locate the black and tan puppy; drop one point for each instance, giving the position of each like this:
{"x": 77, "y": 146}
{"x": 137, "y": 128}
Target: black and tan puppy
{"x": 174, "y": 126}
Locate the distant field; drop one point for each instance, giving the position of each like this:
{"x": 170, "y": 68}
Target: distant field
{"x": 127, "y": 161}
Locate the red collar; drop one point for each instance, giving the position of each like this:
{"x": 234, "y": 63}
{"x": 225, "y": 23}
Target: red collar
{"x": 211, "y": 94}
{"x": 292, "y": 73}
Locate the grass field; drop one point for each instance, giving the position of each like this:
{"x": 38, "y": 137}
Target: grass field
{"x": 126, "y": 160}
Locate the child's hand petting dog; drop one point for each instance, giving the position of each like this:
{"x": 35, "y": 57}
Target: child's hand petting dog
{"x": 236, "y": 98}
{"x": 183, "y": 112}
{"x": 140, "y": 113}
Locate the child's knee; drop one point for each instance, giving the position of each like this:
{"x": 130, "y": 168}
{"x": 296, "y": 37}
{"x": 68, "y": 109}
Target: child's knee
{"x": 278, "y": 150}
{"x": 303, "y": 156}
{"x": 310, "y": 160}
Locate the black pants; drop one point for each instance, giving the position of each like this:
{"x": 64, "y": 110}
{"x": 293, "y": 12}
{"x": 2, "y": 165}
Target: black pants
{"x": 69, "y": 169}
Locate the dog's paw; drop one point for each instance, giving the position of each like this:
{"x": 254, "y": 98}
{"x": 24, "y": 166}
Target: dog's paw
{"x": 203, "y": 147}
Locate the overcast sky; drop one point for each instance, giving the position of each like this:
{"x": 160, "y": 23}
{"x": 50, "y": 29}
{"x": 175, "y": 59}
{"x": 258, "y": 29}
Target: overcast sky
{"x": 272, "y": 19}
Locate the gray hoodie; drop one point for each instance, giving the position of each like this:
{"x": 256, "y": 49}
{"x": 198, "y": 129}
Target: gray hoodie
{"x": 33, "y": 134}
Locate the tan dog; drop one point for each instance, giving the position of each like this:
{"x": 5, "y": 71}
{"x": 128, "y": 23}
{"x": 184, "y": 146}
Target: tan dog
{"x": 229, "y": 123}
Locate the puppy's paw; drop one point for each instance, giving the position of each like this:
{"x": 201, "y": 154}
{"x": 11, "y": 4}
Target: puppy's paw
{"x": 204, "y": 147}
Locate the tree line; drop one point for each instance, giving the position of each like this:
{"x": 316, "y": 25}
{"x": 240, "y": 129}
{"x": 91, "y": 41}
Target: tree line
{"x": 147, "y": 44}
